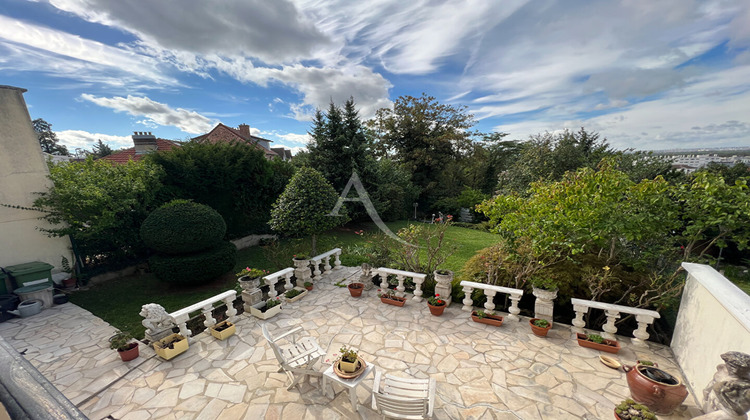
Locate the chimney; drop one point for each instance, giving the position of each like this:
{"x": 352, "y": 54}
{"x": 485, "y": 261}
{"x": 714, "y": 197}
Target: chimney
{"x": 244, "y": 130}
{"x": 144, "y": 142}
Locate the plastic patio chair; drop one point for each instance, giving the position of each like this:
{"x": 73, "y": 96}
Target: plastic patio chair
{"x": 297, "y": 356}
{"x": 404, "y": 398}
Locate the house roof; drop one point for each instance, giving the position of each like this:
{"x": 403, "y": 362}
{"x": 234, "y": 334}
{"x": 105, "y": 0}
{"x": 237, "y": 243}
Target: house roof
{"x": 125, "y": 155}
{"x": 222, "y": 133}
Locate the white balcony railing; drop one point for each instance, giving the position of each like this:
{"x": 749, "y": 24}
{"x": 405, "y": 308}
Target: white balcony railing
{"x": 401, "y": 276}
{"x": 325, "y": 258}
{"x": 644, "y": 317}
{"x": 490, "y": 291}
{"x": 181, "y": 316}
{"x": 273, "y": 278}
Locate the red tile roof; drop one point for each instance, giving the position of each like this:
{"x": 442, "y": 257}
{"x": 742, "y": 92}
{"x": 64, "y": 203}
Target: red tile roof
{"x": 222, "y": 133}
{"x": 123, "y": 156}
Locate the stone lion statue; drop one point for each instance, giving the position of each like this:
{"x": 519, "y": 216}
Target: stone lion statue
{"x": 156, "y": 318}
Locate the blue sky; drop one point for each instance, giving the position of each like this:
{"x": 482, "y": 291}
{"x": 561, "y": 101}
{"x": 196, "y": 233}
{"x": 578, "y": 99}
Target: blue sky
{"x": 645, "y": 74}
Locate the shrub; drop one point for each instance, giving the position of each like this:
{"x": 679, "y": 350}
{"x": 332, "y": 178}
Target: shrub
{"x": 195, "y": 268}
{"x": 181, "y": 227}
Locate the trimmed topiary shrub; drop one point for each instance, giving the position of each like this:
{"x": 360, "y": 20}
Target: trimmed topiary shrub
{"x": 181, "y": 227}
{"x": 195, "y": 268}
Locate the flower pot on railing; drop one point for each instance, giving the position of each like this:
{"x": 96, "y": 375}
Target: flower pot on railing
{"x": 355, "y": 289}
{"x": 223, "y": 330}
{"x": 655, "y": 388}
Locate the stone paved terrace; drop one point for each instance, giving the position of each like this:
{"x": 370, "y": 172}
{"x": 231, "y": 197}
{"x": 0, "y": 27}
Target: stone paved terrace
{"x": 482, "y": 372}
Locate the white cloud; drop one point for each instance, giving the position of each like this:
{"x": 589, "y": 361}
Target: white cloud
{"x": 294, "y": 138}
{"x": 78, "y": 139}
{"x": 186, "y": 120}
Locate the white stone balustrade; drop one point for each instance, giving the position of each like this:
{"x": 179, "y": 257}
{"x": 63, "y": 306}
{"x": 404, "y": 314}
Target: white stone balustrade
{"x": 273, "y": 278}
{"x": 326, "y": 258}
{"x": 490, "y": 291}
{"x": 181, "y": 316}
{"x": 644, "y": 317}
{"x": 401, "y": 276}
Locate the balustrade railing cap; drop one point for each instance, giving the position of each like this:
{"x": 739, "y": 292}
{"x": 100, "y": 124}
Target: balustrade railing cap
{"x": 612, "y": 307}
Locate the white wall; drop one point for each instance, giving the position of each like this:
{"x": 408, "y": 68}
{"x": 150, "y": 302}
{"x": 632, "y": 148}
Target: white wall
{"x": 714, "y": 318}
{"x": 23, "y": 171}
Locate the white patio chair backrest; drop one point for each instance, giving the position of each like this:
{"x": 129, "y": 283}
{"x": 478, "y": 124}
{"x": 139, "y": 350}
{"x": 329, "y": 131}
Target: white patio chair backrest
{"x": 404, "y": 398}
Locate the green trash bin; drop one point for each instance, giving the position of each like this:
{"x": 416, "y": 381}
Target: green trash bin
{"x": 28, "y": 272}
{"x": 3, "y": 286}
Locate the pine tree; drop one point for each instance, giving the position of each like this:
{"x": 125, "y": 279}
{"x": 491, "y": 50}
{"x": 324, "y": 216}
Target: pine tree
{"x": 48, "y": 139}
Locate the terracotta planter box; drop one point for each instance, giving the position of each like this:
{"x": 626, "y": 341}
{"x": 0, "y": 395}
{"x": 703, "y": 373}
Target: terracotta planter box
{"x": 494, "y": 320}
{"x": 226, "y": 332}
{"x": 178, "y": 347}
{"x": 256, "y": 312}
{"x": 298, "y": 297}
{"x": 129, "y": 354}
{"x": 436, "y": 310}
{"x": 395, "y": 301}
{"x": 609, "y": 346}
{"x": 539, "y": 331}
{"x": 356, "y": 289}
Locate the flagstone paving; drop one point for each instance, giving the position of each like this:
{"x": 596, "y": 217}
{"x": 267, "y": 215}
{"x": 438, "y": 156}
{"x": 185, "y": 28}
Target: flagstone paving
{"x": 482, "y": 372}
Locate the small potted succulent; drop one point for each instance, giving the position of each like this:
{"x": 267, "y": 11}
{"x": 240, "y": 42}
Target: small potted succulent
{"x": 436, "y": 305}
{"x": 308, "y": 286}
{"x": 126, "y": 348}
{"x": 597, "y": 342}
{"x": 267, "y": 309}
{"x": 389, "y": 297}
{"x": 355, "y": 289}
{"x": 540, "y": 327}
{"x": 487, "y": 317}
{"x": 630, "y": 410}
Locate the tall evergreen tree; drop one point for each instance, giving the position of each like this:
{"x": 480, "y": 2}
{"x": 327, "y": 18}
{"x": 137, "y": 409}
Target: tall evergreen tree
{"x": 48, "y": 139}
{"x": 101, "y": 149}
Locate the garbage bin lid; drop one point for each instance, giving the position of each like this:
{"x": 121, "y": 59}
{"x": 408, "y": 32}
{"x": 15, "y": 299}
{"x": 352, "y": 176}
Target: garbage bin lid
{"x": 34, "y": 288}
{"x": 29, "y": 267}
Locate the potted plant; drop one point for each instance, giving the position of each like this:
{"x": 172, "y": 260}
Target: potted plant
{"x": 295, "y": 294}
{"x": 126, "y": 348}
{"x": 301, "y": 260}
{"x": 436, "y": 305}
{"x": 596, "y": 342}
{"x": 655, "y": 388}
{"x": 356, "y": 289}
{"x": 389, "y": 297}
{"x": 630, "y": 410}
{"x": 171, "y": 346}
{"x": 539, "y": 326}
{"x": 348, "y": 359}
{"x": 249, "y": 278}
{"x": 308, "y": 286}
{"x": 70, "y": 281}
{"x": 267, "y": 309}
{"x": 488, "y": 318}
{"x": 223, "y": 330}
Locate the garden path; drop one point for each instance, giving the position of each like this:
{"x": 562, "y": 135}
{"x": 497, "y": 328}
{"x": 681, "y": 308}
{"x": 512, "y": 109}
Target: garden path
{"x": 482, "y": 372}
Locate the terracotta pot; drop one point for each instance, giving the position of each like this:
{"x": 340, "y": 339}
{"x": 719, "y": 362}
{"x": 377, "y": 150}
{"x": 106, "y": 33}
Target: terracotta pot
{"x": 662, "y": 396}
{"x": 69, "y": 282}
{"x": 129, "y": 354}
{"x": 494, "y": 320}
{"x": 356, "y": 289}
{"x": 539, "y": 331}
{"x": 609, "y": 346}
{"x": 395, "y": 301}
{"x": 309, "y": 288}
{"x": 436, "y": 310}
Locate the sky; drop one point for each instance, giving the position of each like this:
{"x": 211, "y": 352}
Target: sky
{"x": 645, "y": 74}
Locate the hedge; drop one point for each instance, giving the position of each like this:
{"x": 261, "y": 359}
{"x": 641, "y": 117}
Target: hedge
{"x": 181, "y": 227}
{"x": 195, "y": 268}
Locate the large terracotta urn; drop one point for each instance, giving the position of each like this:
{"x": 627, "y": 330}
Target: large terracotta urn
{"x": 655, "y": 388}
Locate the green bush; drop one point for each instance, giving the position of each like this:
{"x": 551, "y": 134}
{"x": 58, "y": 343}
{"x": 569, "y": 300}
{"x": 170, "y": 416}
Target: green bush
{"x": 195, "y": 268}
{"x": 181, "y": 227}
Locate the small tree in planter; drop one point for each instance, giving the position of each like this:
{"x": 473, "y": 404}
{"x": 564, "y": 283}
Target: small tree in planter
{"x": 303, "y": 209}
{"x": 126, "y": 348}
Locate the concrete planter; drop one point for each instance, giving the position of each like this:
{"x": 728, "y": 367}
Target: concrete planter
{"x": 224, "y": 333}
{"x": 298, "y": 297}
{"x": 171, "y": 346}
{"x": 255, "y": 311}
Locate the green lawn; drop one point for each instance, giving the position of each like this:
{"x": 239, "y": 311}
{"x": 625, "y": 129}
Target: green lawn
{"x": 739, "y": 276}
{"x": 119, "y": 301}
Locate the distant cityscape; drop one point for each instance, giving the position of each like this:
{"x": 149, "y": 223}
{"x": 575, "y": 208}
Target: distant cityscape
{"x": 690, "y": 160}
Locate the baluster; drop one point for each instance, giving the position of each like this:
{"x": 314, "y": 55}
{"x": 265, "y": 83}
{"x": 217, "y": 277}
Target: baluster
{"x": 337, "y": 262}
{"x": 489, "y": 304}
{"x": 288, "y": 282}
{"x": 418, "y": 289}
{"x": 640, "y": 334}
{"x": 229, "y": 301}
{"x": 609, "y": 328}
{"x": 514, "y": 309}
{"x": 383, "y": 280}
{"x": 316, "y": 272}
{"x": 271, "y": 282}
{"x": 578, "y": 322}
{"x": 468, "y": 303}
{"x": 327, "y": 267}
{"x": 181, "y": 321}
{"x": 210, "y": 321}
{"x": 400, "y": 286}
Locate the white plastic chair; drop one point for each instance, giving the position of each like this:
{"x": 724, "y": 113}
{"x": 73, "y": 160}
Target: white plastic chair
{"x": 297, "y": 357}
{"x": 404, "y": 398}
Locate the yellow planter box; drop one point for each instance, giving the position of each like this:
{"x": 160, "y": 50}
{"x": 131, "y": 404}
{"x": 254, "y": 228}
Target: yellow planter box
{"x": 226, "y": 332}
{"x": 178, "y": 347}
